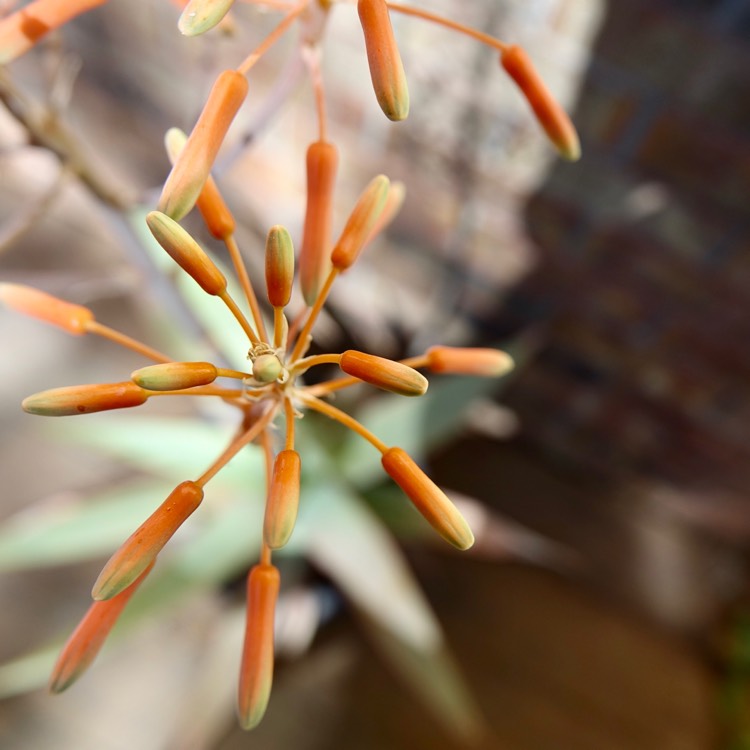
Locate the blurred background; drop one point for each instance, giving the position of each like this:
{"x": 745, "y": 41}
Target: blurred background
{"x": 606, "y": 602}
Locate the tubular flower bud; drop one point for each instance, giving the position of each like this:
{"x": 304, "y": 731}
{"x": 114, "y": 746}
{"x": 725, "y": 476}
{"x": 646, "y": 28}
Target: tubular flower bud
{"x": 217, "y": 217}
{"x": 84, "y": 399}
{"x": 66, "y": 315}
{"x": 428, "y": 498}
{"x": 201, "y": 16}
{"x": 361, "y": 221}
{"x": 256, "y": 672}
{"x": 386, "y": 70}
{"x": 552, "y": 117}
{"x": 315, "y": 254}
{"x": 86, "y": 640}
{"x": 21, "y": 30}
{"x": 393, "y": 202}
{"x": 186, "y": 252}
{"x": 141, "y": 548}
{"x": 192, "y": 167}
{"x": 283, "y": 499}
{"x": 173, "y": 376}
{"x": 279, "y": 266}
{"x": 490, "y": 363}
{"x": 384, "y": 373}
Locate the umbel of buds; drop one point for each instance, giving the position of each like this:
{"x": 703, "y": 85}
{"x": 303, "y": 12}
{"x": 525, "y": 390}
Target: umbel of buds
{"x": 271, "y": 387}
{"x": 270, "y": 393}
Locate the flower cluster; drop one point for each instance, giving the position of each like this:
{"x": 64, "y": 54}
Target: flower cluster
{"x": 271, "y": 394}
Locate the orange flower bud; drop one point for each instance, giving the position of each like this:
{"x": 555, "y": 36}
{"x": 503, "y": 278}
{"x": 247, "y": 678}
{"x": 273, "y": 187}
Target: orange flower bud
{"x": 66, "y": 315}
{"x": 140, "y": 550}
{"x": 383, "y": 373}
{"x": 201, "y": 16}
{"x": 191, "y": 170}
{"x": 256, "y": 672}
{"x": 86, "y": 640}
{"x": 279, "y": 266}
{"x": 21, "y": 30}
{"x": 315, "y": 254}
{"x": 172, "y": 376}
{"x": 84, "y": 399}
{"x": 283, "y": 499}
{"x": 428, "y": 498}
{"x": 393, "y": 202}
{"x": 386, "y": 70}
{"x": 217, "y": 216}
{"x": 186, "y": 252}
{"x": 490, "y": 363}
{"x": 360, "y": 223}
{"x": 550, "y": 114}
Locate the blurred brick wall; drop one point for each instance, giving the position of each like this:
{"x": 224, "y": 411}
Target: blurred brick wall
{"x": 641, "y": 290}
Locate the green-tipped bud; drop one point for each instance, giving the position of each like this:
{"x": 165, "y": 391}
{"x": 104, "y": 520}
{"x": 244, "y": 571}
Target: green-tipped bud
{"x": 217, "y": 216}
{"x": 193, "y": 165}
{"x": 283, "y": 499}
{"x": 393, "y": 204}
{"x": 201, "y": 16}
{"x": 386, "y": 69}
{"x": 140, "y": 550}
{"x": 428, "y": 498}
{"x": 384, "y": 373}
{"x": 84, "y": 399}
{"x": 174, "y": 141}
{"x": 173, "y": 376}
{"x": 186, "y": 252}
{"x": 551, "y": 116}
{"x": 256, "y": 671}
{"x": 361, "y": 221}
{"x": 279, "y": 266}
{"x": 88, "y": 638}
